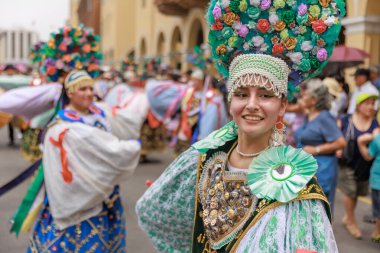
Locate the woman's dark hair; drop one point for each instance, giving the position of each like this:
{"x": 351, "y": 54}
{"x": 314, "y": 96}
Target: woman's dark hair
{"x": 341, "y": 80}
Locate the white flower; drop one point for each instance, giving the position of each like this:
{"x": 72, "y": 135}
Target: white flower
{"x": 256, "y": 3}
{"x": 237, "y": 25}
{"x": 251, "y": 25}
{"x": 295, "y": 57}
{"x": 330, "y": 21}
{"x": 273, "y": 18}
{"x": 306, "y": 46}
{"x": 264, "y": 48}
{"x": 225, "y": 3}
{"x": 258, "y": 41}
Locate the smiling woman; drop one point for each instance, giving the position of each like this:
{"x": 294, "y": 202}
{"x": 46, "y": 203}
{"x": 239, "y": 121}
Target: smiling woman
{"x": 241, "y": 189}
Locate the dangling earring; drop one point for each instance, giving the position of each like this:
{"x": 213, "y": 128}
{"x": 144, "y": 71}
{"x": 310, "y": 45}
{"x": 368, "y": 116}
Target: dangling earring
{"x": 278, "y": 135}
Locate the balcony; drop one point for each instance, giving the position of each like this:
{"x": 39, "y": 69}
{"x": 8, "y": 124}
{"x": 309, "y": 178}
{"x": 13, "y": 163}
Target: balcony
{"x": 179, "y": 7}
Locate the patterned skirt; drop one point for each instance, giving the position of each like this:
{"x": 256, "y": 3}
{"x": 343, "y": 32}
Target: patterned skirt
{"x": 103, "y": 233}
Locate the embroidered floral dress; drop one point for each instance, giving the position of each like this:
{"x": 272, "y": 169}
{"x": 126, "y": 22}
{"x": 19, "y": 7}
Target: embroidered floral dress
{"x": 199, "y": 205}
{"x": 82, "y": 209}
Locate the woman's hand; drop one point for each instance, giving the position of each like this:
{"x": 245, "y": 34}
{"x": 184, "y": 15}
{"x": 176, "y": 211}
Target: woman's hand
{"x": 310, "y": 149}
{"x": 365, "y": 138}
{"x": 339, "y": 153}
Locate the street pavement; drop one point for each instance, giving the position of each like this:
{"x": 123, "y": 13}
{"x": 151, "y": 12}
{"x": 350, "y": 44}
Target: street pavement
{"x": 11, "y": 164}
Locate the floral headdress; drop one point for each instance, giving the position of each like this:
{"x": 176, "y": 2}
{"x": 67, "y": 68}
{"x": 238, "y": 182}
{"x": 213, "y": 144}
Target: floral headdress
{"x": 35, "y": 53}
{"x": 71, "y": 48}
{"x": 302, "y": 33}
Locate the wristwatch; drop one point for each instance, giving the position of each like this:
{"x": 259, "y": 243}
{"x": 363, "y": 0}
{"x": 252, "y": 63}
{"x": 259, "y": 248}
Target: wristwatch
{"x": 317, "y": 150}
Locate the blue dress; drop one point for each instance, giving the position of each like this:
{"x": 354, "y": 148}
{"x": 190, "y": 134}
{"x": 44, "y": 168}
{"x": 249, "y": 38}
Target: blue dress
{"x": 322, "y": 129}
{"x": 104, "y": 232}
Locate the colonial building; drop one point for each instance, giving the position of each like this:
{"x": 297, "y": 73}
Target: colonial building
{"x": 170, "y": 28}
{"x": 362, "y": 27}
{"x": 15, "y": 45}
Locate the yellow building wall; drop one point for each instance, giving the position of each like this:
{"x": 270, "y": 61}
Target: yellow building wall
{"x": 362, "y": 30}
{"x": 156, "y": 33}
{"x": 73, "y": 15}
{"x": 118, "y": 24}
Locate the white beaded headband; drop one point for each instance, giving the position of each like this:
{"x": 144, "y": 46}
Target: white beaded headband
{"x": 259, "y": 70}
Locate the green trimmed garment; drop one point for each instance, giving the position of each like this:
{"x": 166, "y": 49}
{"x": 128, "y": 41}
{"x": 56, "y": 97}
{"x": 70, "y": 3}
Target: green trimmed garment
{"x": 166, "y": 212}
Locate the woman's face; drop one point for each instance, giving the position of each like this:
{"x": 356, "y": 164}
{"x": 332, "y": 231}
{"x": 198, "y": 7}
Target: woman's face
{"x": 306, "y": 100}
{"x": 367, "y": 108}
{"x": 255, "y": 110}
{"x": 82, "y": 98}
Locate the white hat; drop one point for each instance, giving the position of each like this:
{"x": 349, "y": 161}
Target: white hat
{"x": 198, "y": 74}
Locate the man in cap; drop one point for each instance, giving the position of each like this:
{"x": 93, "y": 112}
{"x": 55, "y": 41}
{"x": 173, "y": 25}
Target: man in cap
{"x": 363, "y": 85}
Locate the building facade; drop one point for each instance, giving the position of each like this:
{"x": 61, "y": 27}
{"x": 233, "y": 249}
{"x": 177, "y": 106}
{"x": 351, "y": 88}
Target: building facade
{"x": 89, "y": 14}
{"x": 118, "y": 24}
{"x": 15, "y": 45}
{"x": 362, "y": 27}
{"x": 170, "y": 28}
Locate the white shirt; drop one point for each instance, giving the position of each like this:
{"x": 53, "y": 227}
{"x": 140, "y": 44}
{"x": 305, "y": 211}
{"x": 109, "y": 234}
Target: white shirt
{"x": 367, "y": 87}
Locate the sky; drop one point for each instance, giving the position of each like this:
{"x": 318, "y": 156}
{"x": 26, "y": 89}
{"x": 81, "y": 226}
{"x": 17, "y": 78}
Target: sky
{"x": 42, "y": 16}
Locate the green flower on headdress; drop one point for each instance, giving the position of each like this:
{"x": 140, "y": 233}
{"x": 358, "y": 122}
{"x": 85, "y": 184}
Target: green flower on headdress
{"x": 291, "y": 2}
{"x": 302, "y": 19}
{"x": 314, "y": 11}
{"x": 278, "y": 4}
{"x": 253, "y": 12}
{"x": 234, "y": 5}
{"x": 227, "y": 32}
{"x": 288, "y": 16}
{"x": 280, "y": 173}
{"x": 314, "y": 62}
{"x": 305, "y": 65}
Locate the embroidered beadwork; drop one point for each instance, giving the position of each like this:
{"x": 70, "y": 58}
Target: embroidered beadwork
{"x": 226, "y": 204}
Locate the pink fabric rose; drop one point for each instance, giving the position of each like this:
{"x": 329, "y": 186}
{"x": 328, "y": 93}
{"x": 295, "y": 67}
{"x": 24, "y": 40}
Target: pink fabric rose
{"x": 217, "y": 12}
{"x": 265, "y": 4}
{"x": 322, "y": 54}
{"x": 243, "y": 31}
{"x": 302, "y": 9}
{"x": 59, "y": 64}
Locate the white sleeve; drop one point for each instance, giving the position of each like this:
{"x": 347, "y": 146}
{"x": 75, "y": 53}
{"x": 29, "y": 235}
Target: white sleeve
{"x": 296, "y": 225}
{"x": 97, "y": 161}
{"x": 126, "y": 122}
{"x": 30, "y": 101}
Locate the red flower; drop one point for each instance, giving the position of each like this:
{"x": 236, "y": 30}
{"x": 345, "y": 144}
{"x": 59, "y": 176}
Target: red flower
{"x": 50, "y": 70}
{"x": 217, "y": 26}
{"x": 319, "y": 26}
{"x": 277, "y": 49}
{"x": 263, "y": 25}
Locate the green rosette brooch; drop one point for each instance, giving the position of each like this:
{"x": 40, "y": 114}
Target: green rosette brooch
{"x": 280, "y": 173}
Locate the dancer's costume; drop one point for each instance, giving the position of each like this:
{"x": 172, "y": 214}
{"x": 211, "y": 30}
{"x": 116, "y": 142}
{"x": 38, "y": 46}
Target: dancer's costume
{"x": 82, "y": 210}
{"x": 84, "y": 158}
{"x": 201, "y": 203}
{"x": 201, "y": 113}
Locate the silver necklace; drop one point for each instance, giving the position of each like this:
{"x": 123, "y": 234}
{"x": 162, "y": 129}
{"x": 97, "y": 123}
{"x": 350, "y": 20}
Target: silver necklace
{"x": 249, "y": 155}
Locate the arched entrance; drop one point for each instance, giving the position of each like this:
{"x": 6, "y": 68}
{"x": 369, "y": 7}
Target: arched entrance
{"x": 175, "y": 48}
{"x": 142, "y": 49}
{"x": 196, "y": 34}
{"x": 161, "y": 45}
